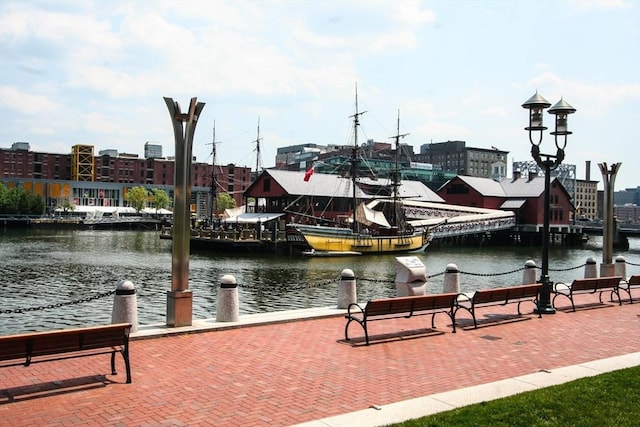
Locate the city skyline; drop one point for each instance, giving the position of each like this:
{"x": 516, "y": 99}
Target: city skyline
{"x": 95, "y": 73}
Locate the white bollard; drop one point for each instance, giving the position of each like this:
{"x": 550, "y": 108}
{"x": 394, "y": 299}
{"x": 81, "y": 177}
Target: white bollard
{"x": 620, "y": 268}
{"x": 529, "y": 272}
{"x": 591, "y": 268}
{"x": 451, "y": 279}
{"x": 125, "y": 304}
{"x": 347, "y": 289}
{"x": 228, "y": 306}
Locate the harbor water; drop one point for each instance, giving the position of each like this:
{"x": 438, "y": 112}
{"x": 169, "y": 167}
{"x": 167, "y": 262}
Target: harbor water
{"x": 51, "y": 279}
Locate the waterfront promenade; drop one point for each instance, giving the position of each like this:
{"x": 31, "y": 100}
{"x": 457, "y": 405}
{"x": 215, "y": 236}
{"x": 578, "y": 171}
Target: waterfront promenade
{"x": 298, "y": 370}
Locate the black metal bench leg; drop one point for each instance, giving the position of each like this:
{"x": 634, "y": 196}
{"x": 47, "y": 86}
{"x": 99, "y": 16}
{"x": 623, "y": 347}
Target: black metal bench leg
{"x": 113, "y": 363}
{"x": 473, "y": 314}
{"x": 127, "y": 365}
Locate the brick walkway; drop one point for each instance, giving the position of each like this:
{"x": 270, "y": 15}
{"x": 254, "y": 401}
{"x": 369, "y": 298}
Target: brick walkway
{"x": 288, "y": 373}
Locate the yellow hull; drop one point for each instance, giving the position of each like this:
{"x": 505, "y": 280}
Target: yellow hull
{"x": 365, "y": 244}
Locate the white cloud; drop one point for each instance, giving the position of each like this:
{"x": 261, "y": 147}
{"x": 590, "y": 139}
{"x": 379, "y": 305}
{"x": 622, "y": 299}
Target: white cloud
{"x": 26, "y": 103}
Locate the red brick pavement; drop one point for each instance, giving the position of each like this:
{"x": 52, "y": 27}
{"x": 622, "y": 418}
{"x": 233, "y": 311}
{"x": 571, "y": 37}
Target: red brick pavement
{"x": 288, "y": 373}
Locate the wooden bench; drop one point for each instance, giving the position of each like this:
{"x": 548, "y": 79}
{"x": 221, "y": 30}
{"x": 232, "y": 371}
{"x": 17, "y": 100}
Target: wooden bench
{"x": 390, "y": 308}
{"x": 497, "y": 296}
{"x": 587, "y": 286}
{"x": 632, "y": 282}
{"x": 67, "y": 343}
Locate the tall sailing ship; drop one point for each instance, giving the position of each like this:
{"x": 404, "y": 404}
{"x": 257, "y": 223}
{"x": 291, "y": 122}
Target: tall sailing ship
{"x": 377, "y": 227}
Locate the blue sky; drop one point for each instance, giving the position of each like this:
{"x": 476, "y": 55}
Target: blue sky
{"x": 95, "y": 72}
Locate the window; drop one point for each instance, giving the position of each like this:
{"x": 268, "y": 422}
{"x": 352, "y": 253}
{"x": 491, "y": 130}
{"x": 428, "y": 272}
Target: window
{"x": 266, "y": 184}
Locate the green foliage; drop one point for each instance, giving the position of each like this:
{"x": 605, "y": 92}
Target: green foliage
{"x": 67, "y": 205}
{"x": 608, "y": 399}
{"x": 225, "y": 201}
{"x": 137, "y": 198}
{"x": 160, "y": 199}
{"x": 19, "y": 201}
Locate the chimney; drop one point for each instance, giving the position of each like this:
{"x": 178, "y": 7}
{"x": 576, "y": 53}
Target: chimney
{"x": 516, "y": 174}
{"x": 588, "y": 170}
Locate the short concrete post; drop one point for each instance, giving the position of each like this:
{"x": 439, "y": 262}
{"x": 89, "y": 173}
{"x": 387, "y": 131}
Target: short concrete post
{"x": 591, "y": 268}
{"x": 228, "y": 307}
{"x": 529, "y": 272}
{"x": 620, "y": 268}
{"x": 347, "y": 289}
{"x": 125, "y": 304}
{"x": 451, "y": 279}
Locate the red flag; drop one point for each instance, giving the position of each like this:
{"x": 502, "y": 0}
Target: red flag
{"x": 308, "y": 173}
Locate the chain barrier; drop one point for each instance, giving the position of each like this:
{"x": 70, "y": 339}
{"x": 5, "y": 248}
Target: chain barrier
{"x": 57, "y": 305}
{"x": 364, "y": 279}
{"x": 633, "y": 263}
{"x": 566, "y": 269}
{"x": 492, "y": 274}
{"x": 295, "y": 287}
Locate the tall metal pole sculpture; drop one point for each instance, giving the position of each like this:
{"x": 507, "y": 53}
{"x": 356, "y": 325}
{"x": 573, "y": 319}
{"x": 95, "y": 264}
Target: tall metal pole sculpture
{"x": 607, "y": 268}
{"x": 180, "y": 298}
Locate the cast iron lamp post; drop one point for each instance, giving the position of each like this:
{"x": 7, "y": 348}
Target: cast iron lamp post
{"x": 547, "y": 162}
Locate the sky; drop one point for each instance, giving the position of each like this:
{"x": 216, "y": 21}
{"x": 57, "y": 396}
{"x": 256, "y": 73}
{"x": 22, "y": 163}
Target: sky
{"x": 96, "y": 72}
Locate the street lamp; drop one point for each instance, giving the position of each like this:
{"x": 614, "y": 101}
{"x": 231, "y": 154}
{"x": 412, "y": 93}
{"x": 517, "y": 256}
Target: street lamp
{"x": 547, "y": 162}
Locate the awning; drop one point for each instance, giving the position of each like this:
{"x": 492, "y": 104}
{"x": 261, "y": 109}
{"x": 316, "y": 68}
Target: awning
{"x": 513, "y": 204}
{"x": 251, "y": 218}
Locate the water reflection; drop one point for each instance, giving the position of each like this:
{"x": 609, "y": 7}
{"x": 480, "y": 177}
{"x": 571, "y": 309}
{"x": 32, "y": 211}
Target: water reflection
{"x": 41, "y": 267}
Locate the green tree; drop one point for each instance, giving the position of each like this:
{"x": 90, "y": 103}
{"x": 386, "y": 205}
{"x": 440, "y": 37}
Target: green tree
{"x": 137, "y": 198}
{"x": 17, "y": 200}
{"x": 67, "y": 205}
{"x": 160, "y": 199}
{"x": 225, "y": 201}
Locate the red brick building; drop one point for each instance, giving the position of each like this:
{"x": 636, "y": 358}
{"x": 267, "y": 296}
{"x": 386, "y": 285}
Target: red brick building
{"x": 524, "y": 196}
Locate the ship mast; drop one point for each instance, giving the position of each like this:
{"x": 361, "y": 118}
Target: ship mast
{"x": 395, "y": 175}
{"x": 257, "y": 149}
{"x": 214, "y": 182}
{"x": 354, "y": 160}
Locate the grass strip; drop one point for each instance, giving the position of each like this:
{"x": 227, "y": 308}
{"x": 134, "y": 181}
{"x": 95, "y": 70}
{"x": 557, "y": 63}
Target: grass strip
{"x": 610, "y": 399}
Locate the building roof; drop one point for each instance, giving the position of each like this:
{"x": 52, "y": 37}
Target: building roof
{"x": 507, "y": 187}
{"x": 326, "y": 185}
{"x": 484, "y": 186}
{"x": 320, "y": 184}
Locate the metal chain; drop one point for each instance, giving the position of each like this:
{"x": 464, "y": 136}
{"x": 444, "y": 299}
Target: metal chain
{"x": 633, "y": 263}
{"x": 492, "y": 274}
{"x": 57, "y": 305}
{"x": 290, "y": 287}
{"x": 567, "y": 269}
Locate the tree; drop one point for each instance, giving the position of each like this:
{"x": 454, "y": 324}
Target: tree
{"x": 137, "y": 198}
{"x": 67, "y": 205}
{"x": 225, "y": 201}
{"x": 17, "y": 200}
{"x": 160, "y": 199}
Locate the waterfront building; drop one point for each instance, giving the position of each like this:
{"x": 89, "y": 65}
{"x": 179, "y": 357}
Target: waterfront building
{"x": 523, "y": 196}
{"x": 92, "y": 181}
{"x": 456, "y": 157}
{"x": 326, "y": 196}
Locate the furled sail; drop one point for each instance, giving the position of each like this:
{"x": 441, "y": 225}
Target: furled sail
{"x": 368, "y": 216}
